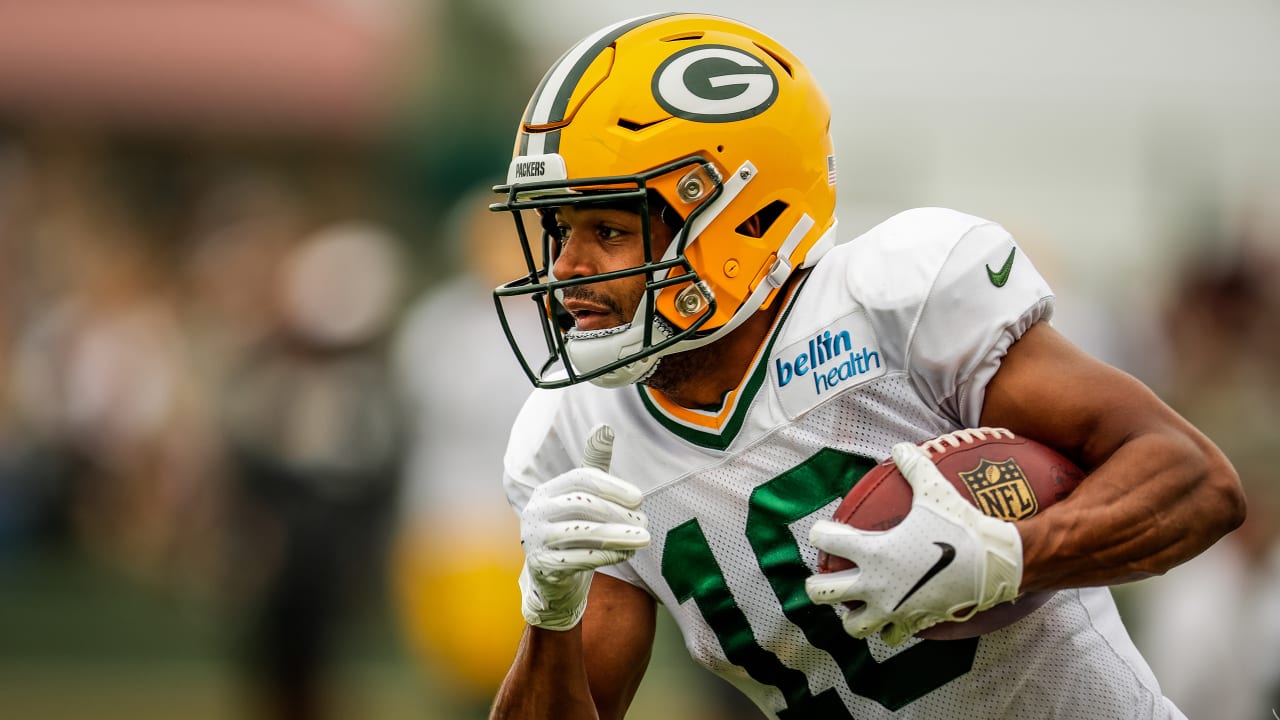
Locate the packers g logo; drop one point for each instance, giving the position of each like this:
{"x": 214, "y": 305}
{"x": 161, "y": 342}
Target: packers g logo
{"x": 714, "y": 83}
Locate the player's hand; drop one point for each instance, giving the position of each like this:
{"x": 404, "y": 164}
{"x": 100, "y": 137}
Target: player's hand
{"x": 944, "y": 562}
{"x": 573, "y": 524}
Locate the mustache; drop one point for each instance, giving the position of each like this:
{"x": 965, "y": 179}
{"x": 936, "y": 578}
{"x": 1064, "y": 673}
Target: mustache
{"x": 585, "y": 294}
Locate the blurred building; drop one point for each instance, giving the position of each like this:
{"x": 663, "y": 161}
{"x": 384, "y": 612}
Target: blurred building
{"x": 296, "y": 67}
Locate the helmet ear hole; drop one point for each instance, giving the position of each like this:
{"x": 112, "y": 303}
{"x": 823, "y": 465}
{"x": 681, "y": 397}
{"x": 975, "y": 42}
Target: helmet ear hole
{"x": 671, "y": 218}
{"x": 757, "y": 225}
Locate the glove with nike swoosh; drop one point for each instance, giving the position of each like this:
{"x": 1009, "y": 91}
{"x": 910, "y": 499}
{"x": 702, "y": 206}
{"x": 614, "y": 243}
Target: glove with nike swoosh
{"x": 944, "y": 562}
{"x": 579, "y": 521}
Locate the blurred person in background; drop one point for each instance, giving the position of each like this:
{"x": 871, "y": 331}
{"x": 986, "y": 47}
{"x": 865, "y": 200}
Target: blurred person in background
{"x": 100, "y": 380}
{"x": 128, "y": 295}
{"x": 1224, "y": 353}
{"x": 457, "y": 546}
{"x": 315, "y": 431}
{"x": 243, "y": 223}
{"x": 28, "y": 488}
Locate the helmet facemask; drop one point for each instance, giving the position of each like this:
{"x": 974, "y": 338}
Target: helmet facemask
{"x": 627, "y": 353}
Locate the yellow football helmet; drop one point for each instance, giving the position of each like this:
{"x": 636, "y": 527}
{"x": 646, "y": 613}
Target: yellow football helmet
{"x": 703, "y": 115}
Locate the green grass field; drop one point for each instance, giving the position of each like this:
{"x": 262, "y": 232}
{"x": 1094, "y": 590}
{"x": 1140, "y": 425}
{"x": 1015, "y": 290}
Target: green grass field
{"x": 79, "y": 641}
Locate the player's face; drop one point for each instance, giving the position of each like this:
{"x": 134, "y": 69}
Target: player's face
{"x": 599, "y": 240}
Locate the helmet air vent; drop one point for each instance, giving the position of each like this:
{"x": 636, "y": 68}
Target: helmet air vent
{"x": 757, "y": 225}
{"x": 785, "y": 65}
{"x": 634, "y": 126}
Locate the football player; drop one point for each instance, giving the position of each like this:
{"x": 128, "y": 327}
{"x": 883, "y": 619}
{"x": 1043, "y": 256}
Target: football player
{"x": 718, "y": 372}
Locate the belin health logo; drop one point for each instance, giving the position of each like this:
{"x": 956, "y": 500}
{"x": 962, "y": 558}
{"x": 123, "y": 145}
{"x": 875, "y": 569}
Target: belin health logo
{"x": 829, "y": 358}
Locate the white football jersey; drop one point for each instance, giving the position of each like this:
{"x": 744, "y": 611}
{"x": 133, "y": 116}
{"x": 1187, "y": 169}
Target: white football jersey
{"x": 891, "y": 337}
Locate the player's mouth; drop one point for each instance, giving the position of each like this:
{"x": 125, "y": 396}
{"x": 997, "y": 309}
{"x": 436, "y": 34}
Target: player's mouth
{"x": 591, "y": 316}
{"x": 591, "y": 310}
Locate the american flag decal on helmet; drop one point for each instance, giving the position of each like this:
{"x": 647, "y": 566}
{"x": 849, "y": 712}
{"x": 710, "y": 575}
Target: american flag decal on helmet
{"x": 831, "y": 169}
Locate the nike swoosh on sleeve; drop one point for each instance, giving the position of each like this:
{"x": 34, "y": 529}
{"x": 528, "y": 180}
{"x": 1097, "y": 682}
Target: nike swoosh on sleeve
{"x": 1000, "y": 278}
{"x": 948, "y": 554}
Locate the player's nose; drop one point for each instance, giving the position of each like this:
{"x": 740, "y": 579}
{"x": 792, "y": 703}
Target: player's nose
{"x": 574, "y": 259}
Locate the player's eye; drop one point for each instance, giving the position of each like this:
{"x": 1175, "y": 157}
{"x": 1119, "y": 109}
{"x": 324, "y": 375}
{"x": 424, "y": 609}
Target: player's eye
{"x": 607, "y": 233}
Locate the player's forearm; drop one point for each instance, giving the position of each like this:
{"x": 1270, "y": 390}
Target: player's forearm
{"x": 1159, "y": 500}
{"x": 547, "y": 680}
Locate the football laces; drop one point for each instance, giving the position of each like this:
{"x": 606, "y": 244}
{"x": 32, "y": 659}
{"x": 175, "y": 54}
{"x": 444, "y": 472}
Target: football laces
{"x": 955, "y": 439}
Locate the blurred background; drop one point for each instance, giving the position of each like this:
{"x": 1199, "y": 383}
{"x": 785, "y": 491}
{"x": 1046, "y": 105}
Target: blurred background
{"x": 253, "y": 397}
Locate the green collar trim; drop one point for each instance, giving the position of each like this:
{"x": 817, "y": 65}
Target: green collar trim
{"x": 728, "y": 432}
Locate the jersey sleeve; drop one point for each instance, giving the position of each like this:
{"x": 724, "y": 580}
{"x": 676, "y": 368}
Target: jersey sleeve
{"x": 948, "y": 293}
{"x": 535, "y": 451}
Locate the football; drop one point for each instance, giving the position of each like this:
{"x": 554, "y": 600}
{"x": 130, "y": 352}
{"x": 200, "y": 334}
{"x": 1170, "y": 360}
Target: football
{"x": 1002, "y": 474}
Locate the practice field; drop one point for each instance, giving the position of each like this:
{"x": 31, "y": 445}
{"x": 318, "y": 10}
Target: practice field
{"x": 80, "y": 641}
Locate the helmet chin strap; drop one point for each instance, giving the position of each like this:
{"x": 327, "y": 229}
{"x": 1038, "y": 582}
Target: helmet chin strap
{"x": 629, "y": 374}
{"x": 583, "y": 346}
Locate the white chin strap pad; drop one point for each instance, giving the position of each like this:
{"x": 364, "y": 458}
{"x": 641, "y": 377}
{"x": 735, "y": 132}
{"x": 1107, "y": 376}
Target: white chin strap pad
{"x": 595, "y": 349}
{"x": 628, "y": 374}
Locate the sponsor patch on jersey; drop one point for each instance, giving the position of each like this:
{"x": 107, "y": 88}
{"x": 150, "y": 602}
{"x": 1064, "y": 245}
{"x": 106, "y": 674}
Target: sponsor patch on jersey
{"x": 1001, "y": 490}
{"x": 840, "y": 356}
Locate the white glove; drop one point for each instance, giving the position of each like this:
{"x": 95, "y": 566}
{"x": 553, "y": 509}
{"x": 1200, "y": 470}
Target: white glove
{"x": 573, "y": 524}
{"x": 944, "y": 562}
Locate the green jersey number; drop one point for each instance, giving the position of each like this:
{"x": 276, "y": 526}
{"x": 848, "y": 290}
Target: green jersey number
{"x": 691, "y": 570}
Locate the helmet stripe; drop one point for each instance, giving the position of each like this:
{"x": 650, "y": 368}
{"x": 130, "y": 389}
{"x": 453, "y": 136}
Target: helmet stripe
{"x": 551, "y": 98}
